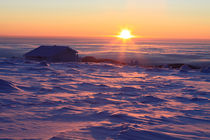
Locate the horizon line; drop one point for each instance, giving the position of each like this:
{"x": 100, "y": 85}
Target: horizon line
{"x": 98, "y": 36}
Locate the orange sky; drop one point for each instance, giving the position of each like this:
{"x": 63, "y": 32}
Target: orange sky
{"x": 146, "y": 18}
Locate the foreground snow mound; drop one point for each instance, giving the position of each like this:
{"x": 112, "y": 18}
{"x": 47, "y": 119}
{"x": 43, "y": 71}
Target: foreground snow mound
{"x": 7, "y": 87}
{"x": 116, "y": 132}
{"x": 68, "y": 101}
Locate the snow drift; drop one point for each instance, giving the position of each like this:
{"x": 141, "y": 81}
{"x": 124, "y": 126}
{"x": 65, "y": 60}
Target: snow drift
{"x": 101, "y": 101}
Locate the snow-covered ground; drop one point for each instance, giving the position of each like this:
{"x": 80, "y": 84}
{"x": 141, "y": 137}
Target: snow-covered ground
{"x": 70, "y": 101}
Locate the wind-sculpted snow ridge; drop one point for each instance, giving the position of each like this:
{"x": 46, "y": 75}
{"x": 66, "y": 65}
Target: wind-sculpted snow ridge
{"x": 68, "y": 101}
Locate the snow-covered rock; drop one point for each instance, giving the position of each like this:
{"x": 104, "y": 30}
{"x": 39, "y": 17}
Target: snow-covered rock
{"x": 44, "y": 63}
{"x": 185, "y": 68}
{"x": 205, "y": 69}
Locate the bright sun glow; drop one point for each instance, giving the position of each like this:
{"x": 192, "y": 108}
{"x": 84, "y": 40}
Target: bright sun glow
{"x": 125, "y": 34}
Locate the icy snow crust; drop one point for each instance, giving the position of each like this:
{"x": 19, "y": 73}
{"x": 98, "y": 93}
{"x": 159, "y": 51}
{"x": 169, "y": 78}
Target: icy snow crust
{"x": 73, "y": 101}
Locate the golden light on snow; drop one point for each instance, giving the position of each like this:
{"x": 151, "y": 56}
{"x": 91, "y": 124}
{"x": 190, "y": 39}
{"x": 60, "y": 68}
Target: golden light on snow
{"x": 125, "y": 34}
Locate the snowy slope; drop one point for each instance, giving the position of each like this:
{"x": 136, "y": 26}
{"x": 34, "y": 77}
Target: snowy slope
{"x": 102, "y": 101}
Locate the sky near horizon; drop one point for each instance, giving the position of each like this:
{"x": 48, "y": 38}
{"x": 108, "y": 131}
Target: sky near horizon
{"x": 146, "y": 18}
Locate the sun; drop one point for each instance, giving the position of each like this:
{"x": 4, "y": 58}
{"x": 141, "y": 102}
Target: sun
{"x": 125, "y": 34}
